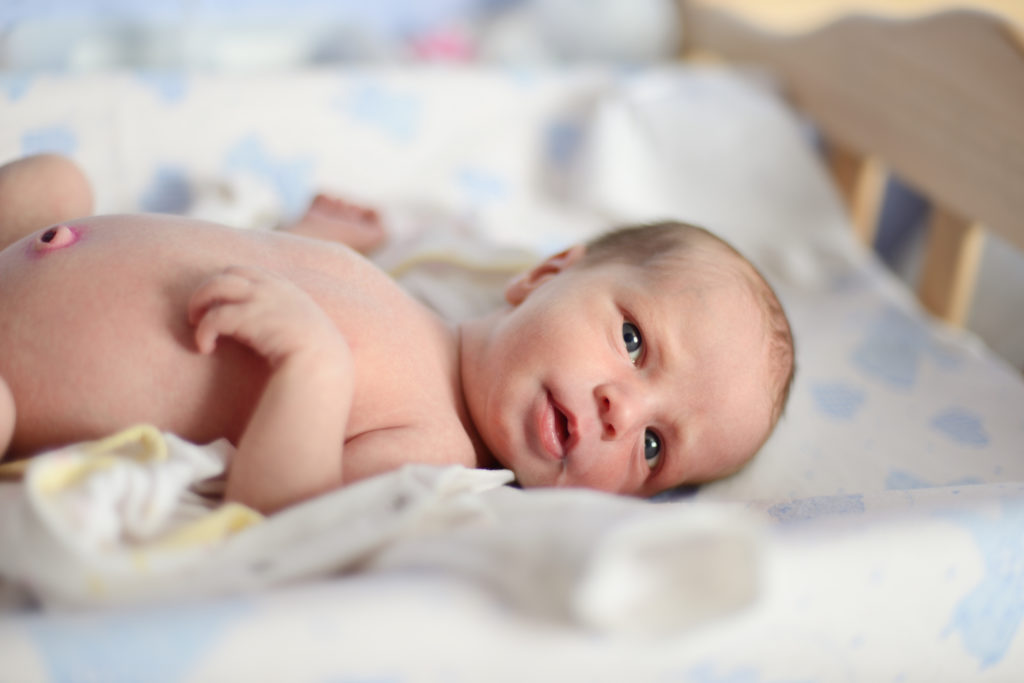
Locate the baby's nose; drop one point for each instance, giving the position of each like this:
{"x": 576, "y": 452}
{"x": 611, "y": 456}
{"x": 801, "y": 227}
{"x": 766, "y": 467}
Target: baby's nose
{"x": 620, "y": 410}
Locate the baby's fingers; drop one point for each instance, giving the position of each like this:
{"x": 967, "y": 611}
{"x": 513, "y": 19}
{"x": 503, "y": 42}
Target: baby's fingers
{"x": 213, "y": 308}
{"x": 220, "y": 319}
{"x": 229, "y": 286}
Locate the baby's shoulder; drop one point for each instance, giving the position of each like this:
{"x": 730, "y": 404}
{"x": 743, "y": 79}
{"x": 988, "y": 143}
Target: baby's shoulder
{"x": 428, "y": 442}
{"x": 406, "y": 360}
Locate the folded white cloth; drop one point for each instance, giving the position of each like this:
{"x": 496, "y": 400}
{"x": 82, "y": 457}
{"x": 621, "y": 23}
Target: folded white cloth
{"x": 119, "y": 521}
{"x": 604, "y": 562}
{"x": 87, "y": 515}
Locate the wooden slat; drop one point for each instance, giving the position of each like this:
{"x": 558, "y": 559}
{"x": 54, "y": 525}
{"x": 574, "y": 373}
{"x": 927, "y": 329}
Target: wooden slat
{"x": 952, "y": 253}
{"x": 941, "y": 98}
{"x": 861, "y": 182}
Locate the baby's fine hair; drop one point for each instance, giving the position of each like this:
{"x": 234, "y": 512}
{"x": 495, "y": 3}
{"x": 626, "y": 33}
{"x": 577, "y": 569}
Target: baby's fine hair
{"x": 660, "y": 244}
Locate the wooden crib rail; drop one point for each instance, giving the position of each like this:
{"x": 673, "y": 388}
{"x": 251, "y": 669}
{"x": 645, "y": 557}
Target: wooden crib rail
{"x": 938, "y": 100}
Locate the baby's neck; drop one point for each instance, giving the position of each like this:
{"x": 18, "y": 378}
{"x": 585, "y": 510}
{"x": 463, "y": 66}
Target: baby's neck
{"x": 469, "y": 337}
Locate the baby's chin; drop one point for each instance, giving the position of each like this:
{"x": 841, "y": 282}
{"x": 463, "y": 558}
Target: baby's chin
{"x": 529, "y": 478}
{"x": 534, "y": 472}
{"x": 555, "y": 478}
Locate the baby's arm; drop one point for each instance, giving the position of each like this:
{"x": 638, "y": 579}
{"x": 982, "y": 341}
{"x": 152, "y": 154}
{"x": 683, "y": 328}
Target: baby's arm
{"x": 291, "y": 449}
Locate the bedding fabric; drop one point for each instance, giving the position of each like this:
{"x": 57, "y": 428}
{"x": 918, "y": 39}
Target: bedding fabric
{"x": 878, "y": 536}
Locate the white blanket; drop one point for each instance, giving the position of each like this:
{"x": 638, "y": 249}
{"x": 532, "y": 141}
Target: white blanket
{"x": 119, "y": 521}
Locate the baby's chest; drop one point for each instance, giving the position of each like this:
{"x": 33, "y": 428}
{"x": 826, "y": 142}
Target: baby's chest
{"x": 405, "y": 360}
{"x": 404, "y": 371}
{"x": 404, "y": 409}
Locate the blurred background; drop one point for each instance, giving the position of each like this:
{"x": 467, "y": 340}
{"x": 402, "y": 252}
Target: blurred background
{"x": 260, "y": 35}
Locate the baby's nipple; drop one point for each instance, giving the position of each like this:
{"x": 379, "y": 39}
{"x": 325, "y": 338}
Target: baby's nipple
{"x": 56, "y": 237}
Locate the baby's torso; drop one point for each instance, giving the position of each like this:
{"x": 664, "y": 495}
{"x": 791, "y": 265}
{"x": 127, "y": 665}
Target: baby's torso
{"x": 101, "y": 339}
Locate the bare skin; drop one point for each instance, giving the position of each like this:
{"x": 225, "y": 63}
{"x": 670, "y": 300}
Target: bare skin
{"x": 35, "y": 192}
{"x": 38, "y": 191}
{"x": 322, "y": 371}
{"x": 279, "y": 343}
{"x": 619, "y": 378}
{"x": 263, "y": 350}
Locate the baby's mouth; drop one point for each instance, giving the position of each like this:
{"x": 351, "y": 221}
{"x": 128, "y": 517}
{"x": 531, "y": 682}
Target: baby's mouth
{"x": 555, "y": 429}
{"x": 564, "y": 426}
{"x": 561, "y": 426}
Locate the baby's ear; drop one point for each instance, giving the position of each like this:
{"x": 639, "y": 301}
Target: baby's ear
{"x": 523, "y": 284}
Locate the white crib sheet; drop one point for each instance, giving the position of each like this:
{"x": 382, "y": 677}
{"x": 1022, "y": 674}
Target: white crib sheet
{"x": 893, "y": 545}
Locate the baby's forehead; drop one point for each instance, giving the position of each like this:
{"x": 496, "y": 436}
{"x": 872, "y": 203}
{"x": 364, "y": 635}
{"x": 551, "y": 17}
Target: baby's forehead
{"x": 715, "y": 281}
{"x": 709, "y": 271}
{"x": 714, "y": 302}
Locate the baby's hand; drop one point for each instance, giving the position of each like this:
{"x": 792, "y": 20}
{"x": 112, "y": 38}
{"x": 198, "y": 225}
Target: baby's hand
{"x": 263, "y": 310}
{"x": 293, "y": 443}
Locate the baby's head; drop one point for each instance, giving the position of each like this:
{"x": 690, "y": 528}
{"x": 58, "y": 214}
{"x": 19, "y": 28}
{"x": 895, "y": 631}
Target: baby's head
{"x": 651, "y": 357}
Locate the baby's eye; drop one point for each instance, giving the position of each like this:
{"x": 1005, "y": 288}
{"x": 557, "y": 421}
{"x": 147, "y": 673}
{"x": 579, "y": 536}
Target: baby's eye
{"x": 652, "y": 448}
{"x": 631, "y": 337}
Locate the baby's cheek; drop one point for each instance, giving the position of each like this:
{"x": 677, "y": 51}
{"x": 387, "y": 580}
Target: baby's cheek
{"x": 57, "y": 237}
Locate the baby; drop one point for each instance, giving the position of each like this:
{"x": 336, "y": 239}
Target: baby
{"x": 651, "y": 357}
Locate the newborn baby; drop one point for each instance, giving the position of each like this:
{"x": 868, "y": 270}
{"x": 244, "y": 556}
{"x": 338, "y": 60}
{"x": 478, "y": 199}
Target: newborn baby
{"x": 651, "y": 357}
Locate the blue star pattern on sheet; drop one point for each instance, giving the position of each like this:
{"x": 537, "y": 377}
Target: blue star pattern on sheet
{"x": 893, "y": 346}
{"x": 818, "y": 506}
{"x": 962, "y": 426}
{"x": 15, "y": 85}
{"x": 837, "y": 399}
{"x": 900, "y": 480}
{"x": 290, "y": 177}
{"x": 58, "y": 139}
{"x": 159, "y": 646}
{"x": 989, "y": 617}
{"x": 170, "y": 86}
{"x": 480, "y": 186}
{"x": 392, "y": 112}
